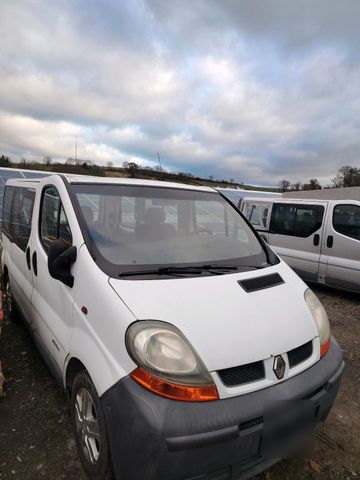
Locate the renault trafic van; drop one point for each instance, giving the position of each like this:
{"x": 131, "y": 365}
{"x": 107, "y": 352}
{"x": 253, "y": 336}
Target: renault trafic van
{"x": 187, "y": 347}
{"x": 319, "y": 239}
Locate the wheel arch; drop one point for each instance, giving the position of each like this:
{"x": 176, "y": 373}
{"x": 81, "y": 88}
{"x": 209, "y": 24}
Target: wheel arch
{"x": 73, "y": 367}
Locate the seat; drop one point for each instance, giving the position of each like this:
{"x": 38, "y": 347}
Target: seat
{"x": 154, "y": 228}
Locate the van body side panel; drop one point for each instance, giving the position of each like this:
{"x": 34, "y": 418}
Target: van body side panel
{"x": 335, "y": 263}
{"x": 51, "y": 300}
{"x": 98, "y": 339}
{"x": 302, "y": 253}
{"x": 340, "y": 252}
{"x": 19, "y": 224}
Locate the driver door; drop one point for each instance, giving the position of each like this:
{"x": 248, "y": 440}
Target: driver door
{"x": 52, "y": 301}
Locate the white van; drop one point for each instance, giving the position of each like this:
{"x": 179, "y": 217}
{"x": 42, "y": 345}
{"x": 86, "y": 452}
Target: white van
{"x": 187, "y": 347}
{"x": 319, "y": 239}
{"x": 235, "y": 195}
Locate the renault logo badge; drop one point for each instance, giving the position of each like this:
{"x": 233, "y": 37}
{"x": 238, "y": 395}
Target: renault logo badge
{"x": 279, "y": 367}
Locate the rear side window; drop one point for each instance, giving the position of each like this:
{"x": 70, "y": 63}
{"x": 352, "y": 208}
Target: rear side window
{"x": 257, "y": 214}
{"x": 346, "y": 220}
{"x": 53, "y": 221}
{"x": 296, "y": 219}
{"x": 17, "y": 214}
{"x": 6, "y": 214}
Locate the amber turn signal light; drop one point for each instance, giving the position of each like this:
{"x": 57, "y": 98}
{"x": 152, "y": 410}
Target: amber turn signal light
{"x": 173, "y": 391}
{"x": 324, "y": 348}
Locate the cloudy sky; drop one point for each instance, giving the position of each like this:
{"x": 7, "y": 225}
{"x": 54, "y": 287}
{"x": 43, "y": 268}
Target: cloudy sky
{"x": 257, "y": 90}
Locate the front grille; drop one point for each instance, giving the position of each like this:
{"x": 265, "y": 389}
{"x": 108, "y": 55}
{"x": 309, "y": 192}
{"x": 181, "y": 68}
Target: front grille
{"x": 259, "y": 283}
{"x": 300, "y": 354}
{"x": 250, "y": 372}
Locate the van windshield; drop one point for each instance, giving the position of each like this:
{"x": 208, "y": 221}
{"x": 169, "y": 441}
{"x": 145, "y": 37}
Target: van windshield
{"x": 136, "y": 228}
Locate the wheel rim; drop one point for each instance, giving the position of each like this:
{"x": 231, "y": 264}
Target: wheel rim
{"x": 8, "y": 297}
{"x": 87, "y": 425}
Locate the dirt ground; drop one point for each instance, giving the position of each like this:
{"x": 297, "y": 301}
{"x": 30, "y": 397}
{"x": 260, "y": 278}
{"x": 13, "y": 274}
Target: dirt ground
{"x": 35, "y": 433}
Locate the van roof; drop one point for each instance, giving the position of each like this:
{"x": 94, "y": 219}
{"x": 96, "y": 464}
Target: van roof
{"x": 114, "y": 181}
{"x": 297, "y": 200}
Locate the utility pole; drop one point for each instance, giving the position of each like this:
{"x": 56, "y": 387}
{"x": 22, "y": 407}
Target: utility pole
{"x": 75, "y": 149}
{"x": 159, "y": 161}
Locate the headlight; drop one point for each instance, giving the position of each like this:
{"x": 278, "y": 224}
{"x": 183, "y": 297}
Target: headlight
{"x": 321, "y": 320}
{"x": 168, "y": 363}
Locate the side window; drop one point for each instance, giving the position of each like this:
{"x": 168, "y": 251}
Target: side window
{"x": 25, "y": 216}
{"x": 64, "y": 228}
{"x": 346, "y": 220}
{"x": 296, "y": 219}
{"x": 53, "y": 222}
{"x": 258, "y": 215}
{"x": 6, "y": 213}
{"x": 18, "y": 209}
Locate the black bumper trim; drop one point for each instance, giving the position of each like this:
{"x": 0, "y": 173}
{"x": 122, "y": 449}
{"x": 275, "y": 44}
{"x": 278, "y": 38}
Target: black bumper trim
{"x": 202, "y": 439}
{"x": 154, "y": 438}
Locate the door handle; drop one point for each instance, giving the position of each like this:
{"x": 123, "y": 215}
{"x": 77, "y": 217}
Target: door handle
{"x": 316, "y": 239}
{"x": 28, "y": 258}
{"x": 330, "y": 241}
{"x": 34, "y": 262}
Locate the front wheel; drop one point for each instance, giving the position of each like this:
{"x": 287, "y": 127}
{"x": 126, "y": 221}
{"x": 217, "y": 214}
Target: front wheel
{"x": 90, "y": 429}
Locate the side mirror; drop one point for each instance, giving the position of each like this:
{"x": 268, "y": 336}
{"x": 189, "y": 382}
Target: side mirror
{"x": 60, "y": 259}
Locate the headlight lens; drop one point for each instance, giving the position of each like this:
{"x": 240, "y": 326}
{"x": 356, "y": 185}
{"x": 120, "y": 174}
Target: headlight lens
{"x": 321, "y": 319}
{"x": 162, "y": 350}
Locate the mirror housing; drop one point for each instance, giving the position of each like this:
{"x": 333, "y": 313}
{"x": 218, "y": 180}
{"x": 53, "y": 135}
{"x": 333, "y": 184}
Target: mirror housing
{"x": 60, "y": 259}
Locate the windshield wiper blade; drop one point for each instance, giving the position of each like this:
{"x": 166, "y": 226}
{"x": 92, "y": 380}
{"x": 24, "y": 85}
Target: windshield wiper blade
{"x": 215, "y": 266}
{"x": 178, "y": 270}
{"x": 161, "y": 271}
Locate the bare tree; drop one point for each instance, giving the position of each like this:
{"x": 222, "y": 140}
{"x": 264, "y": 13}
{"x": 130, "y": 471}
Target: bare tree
{"x": 313, "y": 184}
{"x": 132, "y": 167}
{"x": 347, "y": 177}
{"x": 284, "y": 185}
{"x": 4, "y": 161}
{"x": 211, "y": 177}
{"x": 297, "y": 186}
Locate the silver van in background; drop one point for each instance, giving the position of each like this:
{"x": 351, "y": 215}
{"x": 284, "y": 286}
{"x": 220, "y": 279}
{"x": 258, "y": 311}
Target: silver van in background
{"x": 236, "y": 195}
{"x": 319, "y": 239}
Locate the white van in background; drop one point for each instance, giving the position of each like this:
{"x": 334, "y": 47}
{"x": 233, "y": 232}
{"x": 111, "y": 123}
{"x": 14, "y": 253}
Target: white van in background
{"x": 235, "y": 195}
{"x": 187, "y": 347}
{"x": 319, "y": 239}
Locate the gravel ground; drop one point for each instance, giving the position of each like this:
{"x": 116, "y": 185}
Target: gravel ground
{"x": 35, "y": 432}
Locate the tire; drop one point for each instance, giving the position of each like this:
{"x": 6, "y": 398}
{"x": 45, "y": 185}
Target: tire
{"x": 8, "y": 305}
{"x": 89, "y": 429}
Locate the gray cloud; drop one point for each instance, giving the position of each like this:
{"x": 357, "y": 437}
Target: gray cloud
{"x": 252, "y": 90}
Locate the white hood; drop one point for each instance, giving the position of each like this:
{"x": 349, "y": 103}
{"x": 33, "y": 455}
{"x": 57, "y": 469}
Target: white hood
{"x": 226, "y": 325}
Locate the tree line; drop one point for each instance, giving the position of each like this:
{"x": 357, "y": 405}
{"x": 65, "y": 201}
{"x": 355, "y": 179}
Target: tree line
{"x": 346, "y": 176}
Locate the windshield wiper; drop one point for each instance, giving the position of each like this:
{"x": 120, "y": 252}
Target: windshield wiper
{"x": 216, "y": 269}
{"x": 161, "y": 271}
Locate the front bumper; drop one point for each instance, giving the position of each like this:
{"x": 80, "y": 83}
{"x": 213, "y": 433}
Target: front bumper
{"x": 154, "y": 438}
